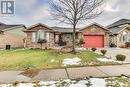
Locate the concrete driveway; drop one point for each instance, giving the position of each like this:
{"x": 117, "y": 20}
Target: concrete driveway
{"x": 112, "y": 52}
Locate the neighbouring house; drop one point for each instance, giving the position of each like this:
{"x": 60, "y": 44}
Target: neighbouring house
{"x": 12, "y": 35}
{"x": 120, "y": 33}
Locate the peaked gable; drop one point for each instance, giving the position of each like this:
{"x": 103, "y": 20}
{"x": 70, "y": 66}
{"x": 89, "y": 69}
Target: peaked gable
{"x": 37, "y": 27}
{"x": 94, "y": 24}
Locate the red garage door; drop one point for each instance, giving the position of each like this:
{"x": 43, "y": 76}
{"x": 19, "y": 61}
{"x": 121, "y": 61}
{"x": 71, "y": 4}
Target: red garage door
{"x": 94, "y": 41}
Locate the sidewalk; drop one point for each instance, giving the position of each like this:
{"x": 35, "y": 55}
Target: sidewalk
{"x": 69, "y": 73}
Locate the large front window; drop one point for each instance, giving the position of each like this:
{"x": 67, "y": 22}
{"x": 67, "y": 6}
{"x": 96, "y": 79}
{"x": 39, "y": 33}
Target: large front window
{"x": 125, "y": 37}
{"x": 40, "y": 34}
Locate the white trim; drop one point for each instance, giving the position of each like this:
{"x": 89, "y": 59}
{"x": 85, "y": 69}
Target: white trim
{"x": 33, "y": 37}
{"x": 37, "y": 25}
{"x": 48, "y": 37}
{"x": 122, "y": 29}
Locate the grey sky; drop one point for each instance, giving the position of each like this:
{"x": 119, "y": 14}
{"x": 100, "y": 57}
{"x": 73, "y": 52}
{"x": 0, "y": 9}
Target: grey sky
{"x": 29, "y": 12}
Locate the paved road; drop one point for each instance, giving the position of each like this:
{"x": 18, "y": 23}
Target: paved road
{"x": 69, "y": 73}
{"x": 112, "y": 52}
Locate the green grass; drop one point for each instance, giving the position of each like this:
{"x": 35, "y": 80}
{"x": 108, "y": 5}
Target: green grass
{"x": 41, "y": 59}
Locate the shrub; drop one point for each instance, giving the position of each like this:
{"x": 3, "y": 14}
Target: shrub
{"x": 120, "y": 57}
{"x": 16, "y": 83}
{"x": 81, "y": 41}
{"x": 103, "y": 51}
{"x": 41, "y": 41}
{"x": 94, "y": 49}
{"x": 112, "y": 45}
{"x": 127, "y": 44}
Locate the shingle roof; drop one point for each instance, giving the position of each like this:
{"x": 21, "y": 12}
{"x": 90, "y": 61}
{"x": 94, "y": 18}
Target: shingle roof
{"x": 115, "y": 29}
{"x": 120, "y": 22}
{"x": 7, "y": 27}
{"x": 64, "y": 30}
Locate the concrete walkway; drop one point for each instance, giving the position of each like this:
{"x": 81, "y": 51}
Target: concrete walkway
{"x": 68, "y": 73}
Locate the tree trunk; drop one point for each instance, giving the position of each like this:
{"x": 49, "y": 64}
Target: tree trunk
{"x": 41, "y": 45}
{"x": 74, "y": 33}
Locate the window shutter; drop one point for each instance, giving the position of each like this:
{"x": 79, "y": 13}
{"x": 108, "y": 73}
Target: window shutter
{"x": 48, "y": 37}
{"x": 33, "y": 37}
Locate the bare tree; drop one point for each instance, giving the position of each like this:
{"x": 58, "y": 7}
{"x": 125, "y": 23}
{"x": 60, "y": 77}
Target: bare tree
{"x": 74, "y": 12}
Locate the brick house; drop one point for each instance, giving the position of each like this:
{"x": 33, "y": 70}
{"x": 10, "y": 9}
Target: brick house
{"x": 12, "y": 35}
{"x": 95, "y": 35}
{"x": 120, "y": 32}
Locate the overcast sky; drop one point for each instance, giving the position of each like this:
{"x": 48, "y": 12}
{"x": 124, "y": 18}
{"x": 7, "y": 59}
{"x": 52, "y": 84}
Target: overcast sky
{"x": 29, "y": 12}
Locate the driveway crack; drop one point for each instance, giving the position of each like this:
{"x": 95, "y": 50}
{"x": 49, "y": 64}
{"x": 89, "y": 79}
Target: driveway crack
{"x": 67, "y": 73}
{"x": 102, "y": 71}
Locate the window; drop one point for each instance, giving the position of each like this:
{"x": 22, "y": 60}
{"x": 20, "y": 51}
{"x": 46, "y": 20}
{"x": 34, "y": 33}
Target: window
{"x": 125, "y": 37}
{"x": 33, "y": 37}
{"x": 40, "y": 34}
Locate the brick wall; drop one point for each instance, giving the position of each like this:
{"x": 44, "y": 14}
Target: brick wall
{"x": 15, "y": 40}
{"x": 31, "y": 44}
{"x": 98, "y": 31}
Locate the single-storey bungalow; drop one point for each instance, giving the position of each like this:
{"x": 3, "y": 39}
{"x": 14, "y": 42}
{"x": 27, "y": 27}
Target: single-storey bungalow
{"x": 94, "y": 35}
{"x": 12, "y": 35}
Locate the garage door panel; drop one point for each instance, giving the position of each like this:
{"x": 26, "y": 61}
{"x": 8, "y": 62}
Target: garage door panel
{"x": 94, "y": 41}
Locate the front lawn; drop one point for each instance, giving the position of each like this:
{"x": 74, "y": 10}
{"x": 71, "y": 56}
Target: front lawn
{"x": 20, "y": 59}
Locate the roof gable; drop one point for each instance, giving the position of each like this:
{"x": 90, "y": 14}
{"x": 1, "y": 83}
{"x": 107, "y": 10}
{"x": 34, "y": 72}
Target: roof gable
{"x": 38, "y": 24}
{"x": 31, "y": 28}
{"x": 96, "y": 25}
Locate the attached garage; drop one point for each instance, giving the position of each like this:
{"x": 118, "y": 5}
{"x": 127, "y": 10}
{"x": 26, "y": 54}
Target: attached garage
{"x": 94, "y": 41}
{"x": 95, "y": 35}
